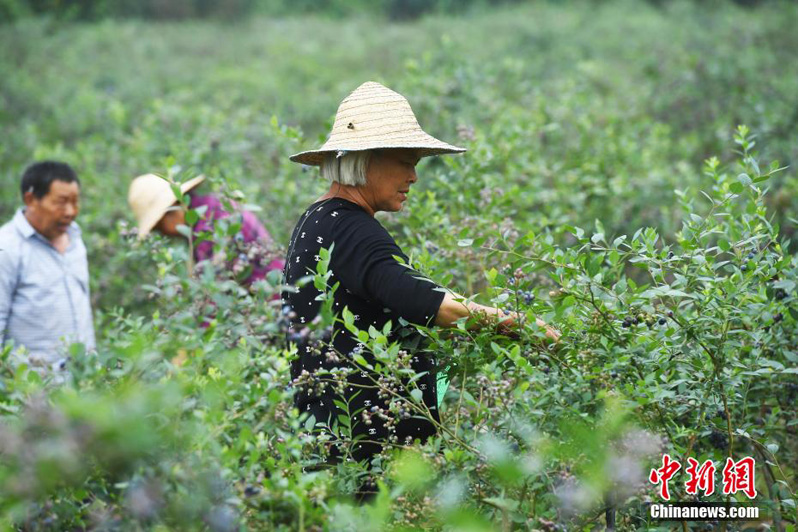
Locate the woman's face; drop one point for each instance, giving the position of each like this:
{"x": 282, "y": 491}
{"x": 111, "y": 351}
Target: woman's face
{"x": 168, "y": 224}
{"x": 388, "y": 178}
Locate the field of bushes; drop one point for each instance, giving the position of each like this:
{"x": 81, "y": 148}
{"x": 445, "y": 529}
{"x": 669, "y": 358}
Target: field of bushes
{"x": 630, "y": 177}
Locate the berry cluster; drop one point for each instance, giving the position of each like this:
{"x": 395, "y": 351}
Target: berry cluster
{"x": 644, "y": 317}
{"x": 719, "y": 440}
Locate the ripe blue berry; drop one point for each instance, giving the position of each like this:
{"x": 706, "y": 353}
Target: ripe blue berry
{"x": 528, "y": 297}
{"x": 719, "y": 440}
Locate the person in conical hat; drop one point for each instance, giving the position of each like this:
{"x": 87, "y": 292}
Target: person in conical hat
{"x": 157, "y": 209}
{"x": 369, "y": 159}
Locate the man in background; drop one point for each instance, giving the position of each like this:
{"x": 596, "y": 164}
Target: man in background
{"x": 44, "y": 275}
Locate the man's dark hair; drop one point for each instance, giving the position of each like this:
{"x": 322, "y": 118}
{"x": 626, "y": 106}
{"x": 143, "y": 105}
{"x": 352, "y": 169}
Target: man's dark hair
{"x": 38, "y": 177}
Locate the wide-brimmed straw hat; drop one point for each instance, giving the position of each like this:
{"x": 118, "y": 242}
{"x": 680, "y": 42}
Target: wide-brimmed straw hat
{"x": 151, "y": 196}
{"x": 375, "y": 117}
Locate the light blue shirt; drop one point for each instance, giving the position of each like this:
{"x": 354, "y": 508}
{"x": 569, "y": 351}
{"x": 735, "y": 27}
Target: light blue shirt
{"x": 44, "y": 295}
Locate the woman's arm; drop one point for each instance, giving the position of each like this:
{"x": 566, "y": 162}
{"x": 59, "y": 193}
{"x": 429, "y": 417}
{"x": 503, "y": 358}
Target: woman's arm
{"x": 454, "y": 307}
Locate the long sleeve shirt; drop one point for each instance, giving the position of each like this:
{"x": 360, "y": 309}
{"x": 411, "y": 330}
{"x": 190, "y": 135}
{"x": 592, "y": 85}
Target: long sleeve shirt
{"x": 44, "y": 294}
{"x": 252, "y": 233}
{"x": 376, "y": 288}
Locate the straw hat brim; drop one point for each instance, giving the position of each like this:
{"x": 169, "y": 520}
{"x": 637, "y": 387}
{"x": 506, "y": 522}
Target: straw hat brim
{"x": 158, "y": 208}
{"x": 316, "y": 157}
{"x": 374, "y": 117}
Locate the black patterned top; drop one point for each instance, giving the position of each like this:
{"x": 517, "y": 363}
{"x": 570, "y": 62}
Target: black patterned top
{"x": 376, "y": 288}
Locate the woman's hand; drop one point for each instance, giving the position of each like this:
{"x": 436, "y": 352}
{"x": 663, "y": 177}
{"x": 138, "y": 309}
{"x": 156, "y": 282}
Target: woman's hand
{"x": 551, "y": 333}
{"x": 455, "y": 307}
{"x": 509, "y": 326}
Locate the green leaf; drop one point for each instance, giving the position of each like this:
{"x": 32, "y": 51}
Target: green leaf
{"x": 176, "y": 191}
{"x": 507, "y": 505}
{"x": 184, "y": 230}
{"x": 417, "y": 395}
{"x": 191, "y": 217}
{"x": 348, "y": 317}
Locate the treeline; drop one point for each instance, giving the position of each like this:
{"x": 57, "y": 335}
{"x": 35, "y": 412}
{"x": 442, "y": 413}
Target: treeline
{"x": 230, "y": 9}
{"x": 87, "y": 10}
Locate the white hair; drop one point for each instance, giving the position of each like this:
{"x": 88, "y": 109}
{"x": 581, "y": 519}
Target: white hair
{"x": 347, "y": 168}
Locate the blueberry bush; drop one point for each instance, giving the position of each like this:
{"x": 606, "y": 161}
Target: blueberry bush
{"x": 608, "y": 188}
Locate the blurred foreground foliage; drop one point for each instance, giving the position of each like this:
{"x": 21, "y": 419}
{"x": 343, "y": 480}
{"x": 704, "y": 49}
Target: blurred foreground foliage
{"x": 607, "y": 188}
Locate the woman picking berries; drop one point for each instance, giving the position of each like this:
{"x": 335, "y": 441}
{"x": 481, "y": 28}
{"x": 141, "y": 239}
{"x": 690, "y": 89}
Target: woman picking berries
{"x": 369, "y": 159}
{"x": 156, "y": 209}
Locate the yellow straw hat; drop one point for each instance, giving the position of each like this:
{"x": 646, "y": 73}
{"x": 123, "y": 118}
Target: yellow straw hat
{"x": 374, "y": 117}
{"x": 151, "y": 196}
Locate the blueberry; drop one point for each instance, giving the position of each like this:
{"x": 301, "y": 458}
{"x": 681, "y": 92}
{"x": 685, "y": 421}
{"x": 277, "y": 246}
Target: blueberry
{"x": 662, "y": 321}
{"x": 719, "y": 440}
{"x": 528, "y": 297}
{"x": 744, "y": 268}
{"x": 670, "y": 313}
{"x": 251, "y": 491}
{"x": 779, "y": 294}
{"x": 778, "y": 317}
{"x": 670, "y": 254}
